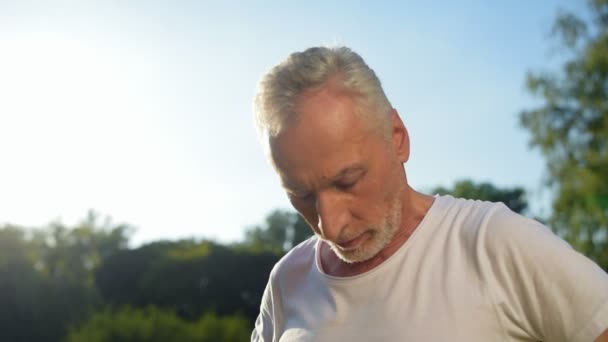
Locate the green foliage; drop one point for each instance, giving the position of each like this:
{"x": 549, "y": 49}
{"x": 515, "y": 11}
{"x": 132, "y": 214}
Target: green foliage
{"x": 57, "y": 276}
{"x": 72, "y": 254}
{"x": 190, "y": 251}
{"x": 514, "y": 198}
{"x": 21, "y": 287}
{"x": 155, "y": 325}
{"x": 571, "y": 130}
{"x": 46, "y": 276}
{"x": 281, "y": 231}
{"x": 187, "y": 276}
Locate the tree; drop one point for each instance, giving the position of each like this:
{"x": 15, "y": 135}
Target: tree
{"x": 73, "y": 253}
{"x": 46, "y": 276}
{"x": 514, "y": 198}
{"x": 21, "y": 290}
{"x": 570, "y": 128}
{"x": 281, "y": 231}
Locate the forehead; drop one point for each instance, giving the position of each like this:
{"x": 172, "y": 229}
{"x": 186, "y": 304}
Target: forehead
{"x": 326, "y": 136}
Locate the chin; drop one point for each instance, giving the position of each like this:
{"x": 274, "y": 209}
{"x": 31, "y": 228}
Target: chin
{"x": 381, "y": 236}
{"x": 366, "y": 251}
{"x": 379, "y": 239}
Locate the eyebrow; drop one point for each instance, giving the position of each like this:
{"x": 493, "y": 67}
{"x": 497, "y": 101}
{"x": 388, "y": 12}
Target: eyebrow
{"x": 354, "y": 168}
{"x": 348, "y": 170}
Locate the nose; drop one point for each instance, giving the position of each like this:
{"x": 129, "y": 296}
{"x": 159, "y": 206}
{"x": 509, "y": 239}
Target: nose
{"x": 332, "y": 213}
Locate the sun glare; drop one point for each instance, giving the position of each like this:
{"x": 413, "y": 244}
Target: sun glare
{"x": 55, "y": 99}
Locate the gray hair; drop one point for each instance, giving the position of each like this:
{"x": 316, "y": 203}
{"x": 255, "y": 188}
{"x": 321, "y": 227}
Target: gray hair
{"x": 281, "y": 88}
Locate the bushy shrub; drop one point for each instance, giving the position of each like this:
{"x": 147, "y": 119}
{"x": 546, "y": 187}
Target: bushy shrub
{"x": 152, "y": 324}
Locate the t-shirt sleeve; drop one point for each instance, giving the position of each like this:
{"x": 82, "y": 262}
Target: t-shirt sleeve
{"x": 263, "y": 330}
{"x": 542, "y": 288}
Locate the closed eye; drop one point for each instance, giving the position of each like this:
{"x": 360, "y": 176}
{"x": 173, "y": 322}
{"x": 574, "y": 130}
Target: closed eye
{"x": 349, "y": 177}
{"x": 345, "y": 186}
{"x": 301, "y": 196}
{"x": 348, "y": 183}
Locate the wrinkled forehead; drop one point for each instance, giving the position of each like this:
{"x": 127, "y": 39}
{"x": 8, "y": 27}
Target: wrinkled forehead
{"x": 327, "y": 136}
{"x": 312, "y": 163}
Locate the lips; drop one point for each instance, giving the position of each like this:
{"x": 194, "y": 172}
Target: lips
{"x": 353, "y": 243}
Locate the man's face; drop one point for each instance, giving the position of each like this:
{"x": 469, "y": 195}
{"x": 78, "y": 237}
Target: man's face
{"x": 341, "y": 174}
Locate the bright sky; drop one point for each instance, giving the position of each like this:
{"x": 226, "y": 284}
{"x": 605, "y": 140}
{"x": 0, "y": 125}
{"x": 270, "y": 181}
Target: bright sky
{"x": 143, "y": 110}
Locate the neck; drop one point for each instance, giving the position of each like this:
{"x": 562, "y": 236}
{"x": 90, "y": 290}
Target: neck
{"x": 415, "y": 207}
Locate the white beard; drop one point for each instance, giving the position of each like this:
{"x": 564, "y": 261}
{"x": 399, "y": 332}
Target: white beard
{"x": 381, "y": 236}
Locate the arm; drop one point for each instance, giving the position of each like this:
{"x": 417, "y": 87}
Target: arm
{"x": 264, "y": 329}
{"x": 603, "y": 337}
{"x": 260, "y": 331}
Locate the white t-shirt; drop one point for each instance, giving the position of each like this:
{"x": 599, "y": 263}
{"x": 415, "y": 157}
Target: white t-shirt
{"x": 471, "y": 271}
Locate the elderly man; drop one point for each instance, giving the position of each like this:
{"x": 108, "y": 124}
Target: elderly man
{"x": 388, "y": 263}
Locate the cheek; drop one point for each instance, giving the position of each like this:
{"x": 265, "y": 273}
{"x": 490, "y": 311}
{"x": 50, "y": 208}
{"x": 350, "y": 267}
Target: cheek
{"x": 374, "y": 198}
{"x": 372, "y": 192}
{"x": 308, "y": 213}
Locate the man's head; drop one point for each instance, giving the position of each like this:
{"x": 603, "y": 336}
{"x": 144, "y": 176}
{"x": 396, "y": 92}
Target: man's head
{"x": 338, "y": 147}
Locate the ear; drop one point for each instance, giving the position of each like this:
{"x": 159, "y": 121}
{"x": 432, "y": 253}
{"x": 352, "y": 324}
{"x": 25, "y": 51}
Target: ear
{"x": 400, "y": 137}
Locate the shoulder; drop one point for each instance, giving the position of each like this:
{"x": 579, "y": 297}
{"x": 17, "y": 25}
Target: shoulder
{"x": 520, "y": 239}
{"x": 465, "y": 212}
{"x": 491, "y": 225}
{"x": 540, "y": 284}
{"x": 468, "y": 219}
{"x": 291, "y": 264}
{"x": 297, "y": 261}
{"x": 501, "y": 241}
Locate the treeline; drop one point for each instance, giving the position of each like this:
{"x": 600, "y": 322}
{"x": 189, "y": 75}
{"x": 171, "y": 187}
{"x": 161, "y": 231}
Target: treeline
{"x": 83, "y": 283}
